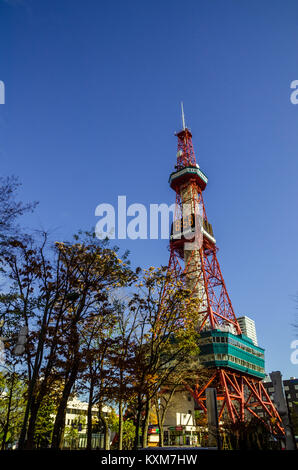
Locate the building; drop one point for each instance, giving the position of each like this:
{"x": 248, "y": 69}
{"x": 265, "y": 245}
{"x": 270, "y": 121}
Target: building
{"x": 290, "y": 389}
{"x": 76, "y": 412}
{"x": 75, "y": 433}
{"x": 248, "y": 328}
{"x": 180, "y": 420}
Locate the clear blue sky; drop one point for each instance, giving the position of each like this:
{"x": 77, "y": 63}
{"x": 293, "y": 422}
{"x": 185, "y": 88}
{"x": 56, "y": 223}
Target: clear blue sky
{"x": 92, "y": 102}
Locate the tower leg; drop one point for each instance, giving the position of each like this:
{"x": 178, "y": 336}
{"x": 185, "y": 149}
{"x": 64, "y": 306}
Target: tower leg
{"x": 239, "y": 397}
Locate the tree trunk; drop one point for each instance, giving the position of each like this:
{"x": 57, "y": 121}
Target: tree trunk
{"x": 161, "y": 411}
{"x": 105, "y": 427}
{"x": 59, "y": 424}
{"x": 31, "y": 388}
{"x": 43, "y": 391}
{"x": 107, "y": 438}
{"x": 120, "y": 429}
{"x": 89, "y": 418}
{"x": 159, "y": 422}
{"x": 138, "y": 423}
{"x": 161, "y": 436}
{"x": 6, "y": 426}
{"x": 35, "y": 405}
{"x": 34, "y": 378}
{"x": 60, "y": 417}
{"x": 146, "y": 424}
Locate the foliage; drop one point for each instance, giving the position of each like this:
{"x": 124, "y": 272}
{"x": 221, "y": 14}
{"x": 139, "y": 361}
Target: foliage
{"x": 81, "y": 337}
{"x": 249, "y": 435}
{"x": 129, "y": 430}
{"x": 12, "y": 404}
{"x": 45, "y": 422}
{"x": 10, "y": 209}
{"x": 163, "y": 339}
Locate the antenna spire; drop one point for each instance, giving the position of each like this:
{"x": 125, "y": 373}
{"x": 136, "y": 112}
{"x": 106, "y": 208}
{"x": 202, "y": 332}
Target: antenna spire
{"x": 183, "y": 118}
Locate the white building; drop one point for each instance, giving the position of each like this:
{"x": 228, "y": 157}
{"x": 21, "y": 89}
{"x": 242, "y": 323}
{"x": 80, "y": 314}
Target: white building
{"x": 76, "y": 419}
{"x": 76, "y": 412}
{"x": 248, "y": 328}
{"x": 179, "y": 425}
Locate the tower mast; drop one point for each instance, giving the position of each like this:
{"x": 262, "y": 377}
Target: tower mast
{"x": 183, "y": 118}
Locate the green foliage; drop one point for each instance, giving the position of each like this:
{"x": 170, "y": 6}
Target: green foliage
{"x": 112, "y": 421}
{"x": 12, "y": 404}
{"x": 71, "y": 436}
{"x": 72, "y": 433}
{"x": 45, "y": 423}
{"x": 129, "y": 430}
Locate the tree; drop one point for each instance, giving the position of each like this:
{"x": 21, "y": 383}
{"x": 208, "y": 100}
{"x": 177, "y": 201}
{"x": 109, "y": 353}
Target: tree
{"x": 165, "y": 337}
{"x": 92, "y": 269}
{"x": 71, "y": 435}
{"x": 10, "y": 209}
{"x": 55, "y": 291}
{"x": 36, "y": 285}
{"x": 120, "y": 361}
{"x": 129, "y": 432}
{"x": 95, "y": 376}
{"x": 45, "y": 422}
{"x": 12, "y": 404}
{"x": 248, "y": 435}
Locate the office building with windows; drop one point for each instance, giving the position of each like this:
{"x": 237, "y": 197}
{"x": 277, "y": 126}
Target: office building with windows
{"x": 248, "y": 328}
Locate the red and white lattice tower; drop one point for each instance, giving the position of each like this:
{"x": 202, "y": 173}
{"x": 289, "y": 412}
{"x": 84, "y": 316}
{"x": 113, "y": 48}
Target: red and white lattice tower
{"x": 236, "y": 364}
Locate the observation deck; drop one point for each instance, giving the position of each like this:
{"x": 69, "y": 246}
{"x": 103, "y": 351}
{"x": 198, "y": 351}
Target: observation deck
{"x": 220, "y": 348}
{"x": 187, "y": 174}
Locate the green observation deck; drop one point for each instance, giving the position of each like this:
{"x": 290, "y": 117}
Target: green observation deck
{"x": 183, "y": 176}
{"x": 224, "y": 349}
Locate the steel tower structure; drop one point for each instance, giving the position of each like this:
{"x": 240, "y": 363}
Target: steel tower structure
{"x": 236, "y": 364}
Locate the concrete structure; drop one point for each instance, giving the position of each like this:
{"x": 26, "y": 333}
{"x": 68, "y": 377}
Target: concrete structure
{"x": 248, "y": 328}
{"x": 180, "y": 426}
{"x": 212, "y": 413}
{"x": 279, "y": 399}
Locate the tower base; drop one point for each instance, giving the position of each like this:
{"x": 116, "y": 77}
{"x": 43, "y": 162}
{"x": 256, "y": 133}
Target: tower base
{"x": 239, "y": 396}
